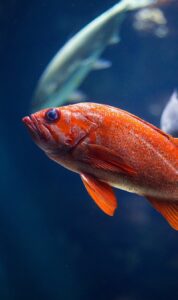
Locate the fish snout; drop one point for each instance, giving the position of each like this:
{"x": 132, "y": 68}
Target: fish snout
{"x": 29, "y": 123}
{"x": 38, "y": 130}
{"x": 33, "y": 127}
{"x": 26, "y": 120}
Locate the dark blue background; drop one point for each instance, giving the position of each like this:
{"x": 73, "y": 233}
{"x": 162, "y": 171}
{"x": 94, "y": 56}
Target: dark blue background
{"x": 54, "y": 242}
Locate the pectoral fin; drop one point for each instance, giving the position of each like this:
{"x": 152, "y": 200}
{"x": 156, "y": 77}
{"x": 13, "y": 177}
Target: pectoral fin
{"x": 103, "y": 158}
{"x": 168, "y": 209}
{"x": 101, "y": 193}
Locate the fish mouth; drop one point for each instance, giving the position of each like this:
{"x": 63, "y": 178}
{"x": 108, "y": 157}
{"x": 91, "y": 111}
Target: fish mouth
{"x": 29, "y": 123}
{"x": 38, "y": 130}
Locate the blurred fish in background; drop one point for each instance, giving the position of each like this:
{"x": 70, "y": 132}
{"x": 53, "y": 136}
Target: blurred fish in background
{"x": 169, "y": 117}
{"x": 151, "y": 21}
{"x": 69, "y": 67}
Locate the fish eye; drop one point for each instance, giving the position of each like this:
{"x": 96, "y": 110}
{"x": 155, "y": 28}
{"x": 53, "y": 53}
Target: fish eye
{"x": 52, "y": 115}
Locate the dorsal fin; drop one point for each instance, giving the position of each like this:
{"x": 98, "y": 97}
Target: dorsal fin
{"x": 167, "y": 136}
{"x": 151, "y": 126}
{"x": 175, "y": 141}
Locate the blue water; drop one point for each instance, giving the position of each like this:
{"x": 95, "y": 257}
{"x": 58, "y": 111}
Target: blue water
{"x": 54, "y": 242}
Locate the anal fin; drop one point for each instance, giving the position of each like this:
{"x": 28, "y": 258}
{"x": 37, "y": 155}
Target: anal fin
{"x": 168, "y": 209}
{"x": 101, "y": 193}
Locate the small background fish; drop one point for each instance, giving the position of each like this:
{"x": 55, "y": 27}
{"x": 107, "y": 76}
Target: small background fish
{"x": 169, "y": 117}
{"x": 54, "y": 242}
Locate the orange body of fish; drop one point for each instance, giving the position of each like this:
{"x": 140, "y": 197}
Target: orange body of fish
{"x": 110, "y": 147}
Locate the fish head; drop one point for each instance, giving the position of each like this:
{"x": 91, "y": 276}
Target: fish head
{"x": 57, "y": 131}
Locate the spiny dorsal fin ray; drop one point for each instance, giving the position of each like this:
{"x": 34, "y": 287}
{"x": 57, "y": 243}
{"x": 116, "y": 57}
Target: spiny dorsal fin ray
{"x": 169, "y": 137}
{"x": 175, "y": 141}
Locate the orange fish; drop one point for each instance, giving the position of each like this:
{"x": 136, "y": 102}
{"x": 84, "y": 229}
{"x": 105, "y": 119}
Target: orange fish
{"x": 110, "y": 147}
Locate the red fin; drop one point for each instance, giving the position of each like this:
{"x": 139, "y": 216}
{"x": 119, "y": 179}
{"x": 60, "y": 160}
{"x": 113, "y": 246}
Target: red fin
{"x": 101, "y": 193}
{"x": 104, "y": 158}
{"x": 168, "y": 209}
